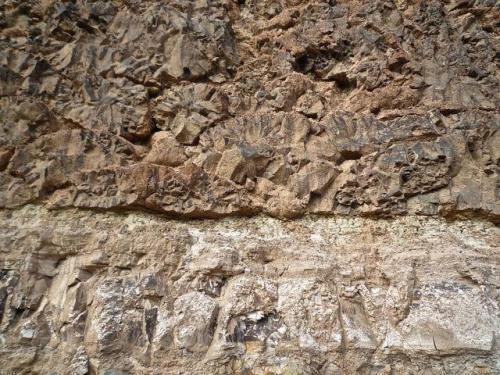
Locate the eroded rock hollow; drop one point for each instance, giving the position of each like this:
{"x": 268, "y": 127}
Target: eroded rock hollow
{"x": 259, "y": 187}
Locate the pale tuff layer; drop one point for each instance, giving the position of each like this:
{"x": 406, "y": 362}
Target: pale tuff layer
{"x": 87, "y": 292}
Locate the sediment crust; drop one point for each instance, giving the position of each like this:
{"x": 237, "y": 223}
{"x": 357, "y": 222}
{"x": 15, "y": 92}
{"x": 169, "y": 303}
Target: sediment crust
{"x": 135, "y": 293}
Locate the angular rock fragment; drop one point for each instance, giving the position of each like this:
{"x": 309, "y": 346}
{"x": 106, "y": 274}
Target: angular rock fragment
{"x": 438, "y": 322}
{"x": 234, "y": 165}
{"x": 165, "y": 150}
{"x": 187, "y": 129}
{"x": 194, "y": 320}
{"x": 313, "y": 178}
{"x": 322, "y": 330}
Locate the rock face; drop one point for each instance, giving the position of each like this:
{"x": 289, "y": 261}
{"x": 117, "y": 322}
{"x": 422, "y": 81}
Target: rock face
{"x": 106, "y": 293}
{"x": 210, "y": 108}
{"x": 121, "y": 119}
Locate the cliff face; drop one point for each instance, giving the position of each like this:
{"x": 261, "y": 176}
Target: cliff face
{"x": 121, "y": 119}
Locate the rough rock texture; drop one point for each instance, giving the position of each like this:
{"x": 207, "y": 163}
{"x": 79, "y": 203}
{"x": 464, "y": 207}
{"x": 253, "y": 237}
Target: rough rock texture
{"x": 207, "y": 108}
{"x": 104, "y": 293}
{"x": 119, "y": 119}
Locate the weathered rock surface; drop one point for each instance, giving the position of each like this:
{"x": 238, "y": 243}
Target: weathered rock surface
{"x": 382, "y": 116}
{"x": 211, "y": 108}
{"x": 104, "y": 293}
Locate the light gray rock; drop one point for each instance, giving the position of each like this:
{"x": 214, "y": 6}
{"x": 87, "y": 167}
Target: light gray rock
{"x": 194, "y": 321}
{"x": 412, "y": 294}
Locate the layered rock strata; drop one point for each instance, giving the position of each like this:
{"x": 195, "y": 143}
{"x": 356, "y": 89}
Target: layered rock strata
{"x": 249, "y": 187}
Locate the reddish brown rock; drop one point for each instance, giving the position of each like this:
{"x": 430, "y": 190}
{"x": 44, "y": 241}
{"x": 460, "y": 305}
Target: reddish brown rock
{"x": 246, "y": 91}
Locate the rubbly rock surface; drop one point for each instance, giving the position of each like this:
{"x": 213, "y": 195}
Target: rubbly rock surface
{"x": 252, "y": 187}
{"x": 104, "y": 293}
{"x": 211, "y": 108}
